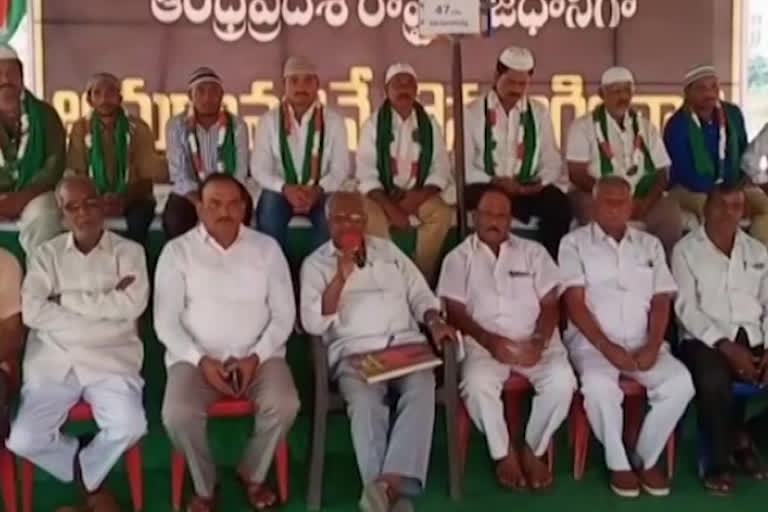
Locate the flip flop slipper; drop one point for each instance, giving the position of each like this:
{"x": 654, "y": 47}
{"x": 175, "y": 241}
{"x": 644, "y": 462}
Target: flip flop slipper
{"x": 374, "y": 498}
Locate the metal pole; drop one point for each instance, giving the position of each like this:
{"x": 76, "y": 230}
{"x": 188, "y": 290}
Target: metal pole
{"x": 458, "y": 141}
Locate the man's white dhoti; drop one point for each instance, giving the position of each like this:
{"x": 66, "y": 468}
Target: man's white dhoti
{"x": 481, "y": 386}
{"x": 669, "y": 389}
{"x": 45, "y": 403}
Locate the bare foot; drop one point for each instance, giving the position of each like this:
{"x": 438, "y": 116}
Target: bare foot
{"x": 747, "y": 458}
{"x": 719, "y": 484}
{"x": 509, "y": 473}
{"x": 259, "y": 496}
{"x": 536, "y": 471}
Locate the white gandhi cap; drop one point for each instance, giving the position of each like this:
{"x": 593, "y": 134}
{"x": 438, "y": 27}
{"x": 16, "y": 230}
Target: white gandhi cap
{"x": 617, "y": 75}
{"x": 697, "y": 73}
{"x": 518, "y": 59}
{"x": 398, "y": 68}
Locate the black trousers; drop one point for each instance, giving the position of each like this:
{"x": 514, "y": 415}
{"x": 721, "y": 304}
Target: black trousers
{"x": 551, "y": 206}
{"x": 138, "y": 217}
{"x": 180, "y": 214}
{"x": 718, "y": 411}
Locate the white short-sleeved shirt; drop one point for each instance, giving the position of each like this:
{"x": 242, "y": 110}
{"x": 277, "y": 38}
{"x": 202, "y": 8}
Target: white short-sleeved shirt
{"x": 549, "y": 167}
{"x": 619, "y": 280}
{"x": 502, "y": 294}
{"x": 718, "y": 294}
{"x": 582, "y": 145}
{"x": 402, "y": 146}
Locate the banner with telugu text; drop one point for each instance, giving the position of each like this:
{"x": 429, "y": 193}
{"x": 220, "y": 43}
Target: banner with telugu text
{"x": 154, "y": 44}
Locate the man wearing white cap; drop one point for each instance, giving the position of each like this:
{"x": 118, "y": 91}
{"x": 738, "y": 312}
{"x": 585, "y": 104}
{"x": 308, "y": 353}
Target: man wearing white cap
{"x": 300, "y": 155}
{"x": 614, "y": 139}
{"x": 202, "y": 141}
{"x": 706, "y": 139}
{"x": 117, "y": 150}
{"x": 32, "y": 154}
{"x": 402, "y": 166}
{"x": 510, "y": 144}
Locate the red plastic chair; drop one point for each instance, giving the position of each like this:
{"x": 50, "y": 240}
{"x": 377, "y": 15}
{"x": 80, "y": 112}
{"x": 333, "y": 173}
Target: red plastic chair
{"x": 515, "y": 390}
{"x": 8, "y": 472}
{"x": 230, "y": 408}
{"x": 82, "y": 412}
{"x": 7, "y": 460}
{"x": 634, "y": 405}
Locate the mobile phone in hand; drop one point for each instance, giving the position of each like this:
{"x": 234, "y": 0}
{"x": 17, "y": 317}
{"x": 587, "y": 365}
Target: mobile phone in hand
{"x": 235, "y": 380}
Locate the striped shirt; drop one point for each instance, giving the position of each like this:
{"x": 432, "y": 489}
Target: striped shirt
{"x": 180, "y": 167}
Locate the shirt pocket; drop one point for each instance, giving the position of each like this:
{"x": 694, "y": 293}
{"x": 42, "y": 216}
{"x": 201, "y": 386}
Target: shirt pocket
{"x": 749, "y": 279}
{"x": 638, "y": 277}
{"x": 518, "y": 283}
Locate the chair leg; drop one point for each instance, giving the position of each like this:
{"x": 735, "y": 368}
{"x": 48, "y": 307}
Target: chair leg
{"x": 281, "y": 466}
{"x": 464, "y": 427}
{"x": 671, "y": 445}
{"x": 551, "y": 457}
{"x": 317, "y": 457}
{"x": 27, "y": 485}
{"x": 634, "y": 413}
{"x": 177, "y": 479}
{"x": 512, "y": 414}
{"x": 580, "y": 426}
{"x": 452, "y": 435}
{"x": 8, "y": 475}
{"x": 135, "y": 476}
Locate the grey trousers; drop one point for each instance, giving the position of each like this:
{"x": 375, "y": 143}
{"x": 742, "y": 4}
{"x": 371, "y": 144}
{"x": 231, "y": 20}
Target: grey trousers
{"x": 187, "y": 398}
{"x": 402, "y": 447}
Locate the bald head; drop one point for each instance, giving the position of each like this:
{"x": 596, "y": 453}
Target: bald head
{"x": 613, "y": 203}
{"x": 346, "y": 214}
{"x": 74, "y": 183}
{"x": 81, "y": 207}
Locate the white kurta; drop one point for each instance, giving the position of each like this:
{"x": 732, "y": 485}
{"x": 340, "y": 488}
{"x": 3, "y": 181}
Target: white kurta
{"x": 85, "y": 346}
{"x": 718, "y": 295}
{"x": 583, "y": 147}
{"x": 503, "y": 296}
{"x": 405, "y": 150}
{"x": 267, "y": 164}
{"x": 549, "y": 168}
{"x": 620, "y": 280}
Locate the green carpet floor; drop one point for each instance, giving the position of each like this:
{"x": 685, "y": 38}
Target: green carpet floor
{"x": 342, "y": 484}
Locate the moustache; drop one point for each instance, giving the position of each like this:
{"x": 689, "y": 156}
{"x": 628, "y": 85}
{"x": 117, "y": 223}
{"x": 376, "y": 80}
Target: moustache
{"x": 225, "y": 220}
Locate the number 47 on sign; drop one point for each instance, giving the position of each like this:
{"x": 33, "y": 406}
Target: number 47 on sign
{"x": 453, "y": 17}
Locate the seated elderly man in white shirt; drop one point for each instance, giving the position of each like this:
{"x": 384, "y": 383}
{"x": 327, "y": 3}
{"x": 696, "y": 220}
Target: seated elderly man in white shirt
{"x": 619, "y": 292}
{"x": 615, "y": 139}
{"x": 361, "y": 293}
{"x": 224, "y": 309}
{"x": 723, "y": 307}
{"x": 82, "y": 296}
{"x": 502, "y": 291}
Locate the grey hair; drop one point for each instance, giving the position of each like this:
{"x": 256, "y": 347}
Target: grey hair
{"x": 612, "y": 180}
{"x": 331, "y": 201}
{"x": 71, "y": 177}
